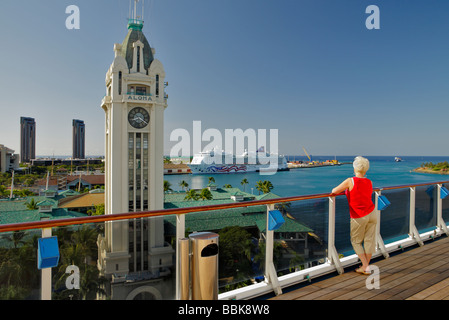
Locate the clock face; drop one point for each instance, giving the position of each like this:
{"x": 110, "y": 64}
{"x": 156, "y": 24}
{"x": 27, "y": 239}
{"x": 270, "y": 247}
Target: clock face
{"x": 138, "y": 117}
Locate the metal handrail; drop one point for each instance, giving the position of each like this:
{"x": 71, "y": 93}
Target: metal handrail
{"x": 179, "y": 211}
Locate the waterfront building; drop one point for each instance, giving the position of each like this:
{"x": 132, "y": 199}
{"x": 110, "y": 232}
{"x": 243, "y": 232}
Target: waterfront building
{"x": 27, "y": 139}
{"x": 8, "y": 159}
{"x": 78, "y": 139}
{"x": 76, "y": 182}
{"x": 134, "y": 252}
{"x": 181, "y": 168}
{"x": 82, "y": 181}
{"x": 66, "y": 162}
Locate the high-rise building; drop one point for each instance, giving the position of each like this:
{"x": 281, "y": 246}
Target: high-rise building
{"x": 27, "y": 139}
{"x": 8, "y": 160}
{"x": 78, "y": 139}
{"x": 134, "y": 106}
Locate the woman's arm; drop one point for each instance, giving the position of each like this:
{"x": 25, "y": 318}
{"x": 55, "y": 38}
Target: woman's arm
{"x": 342, "y": 187}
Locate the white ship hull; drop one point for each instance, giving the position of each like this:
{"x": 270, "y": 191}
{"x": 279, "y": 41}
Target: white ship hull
{"x": 205, "y": 163}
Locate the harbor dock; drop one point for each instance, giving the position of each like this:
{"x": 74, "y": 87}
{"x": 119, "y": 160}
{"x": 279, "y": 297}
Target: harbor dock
{"x": 314, "y": 164}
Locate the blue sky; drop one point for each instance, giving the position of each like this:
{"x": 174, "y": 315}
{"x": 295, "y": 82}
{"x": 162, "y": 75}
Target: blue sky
{"x": 309, "y": 68}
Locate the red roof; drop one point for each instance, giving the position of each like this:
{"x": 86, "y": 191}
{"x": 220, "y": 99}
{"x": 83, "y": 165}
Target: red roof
{"x": 91, "y": 178}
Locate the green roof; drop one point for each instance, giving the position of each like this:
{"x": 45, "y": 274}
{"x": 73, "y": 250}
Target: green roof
{"x": 35, "y": 215}
{"x": 46, "y": 202}
{"x": 69, "y": 192}
{"x": 16, "y": 211}
{"x": 246, "y": 217}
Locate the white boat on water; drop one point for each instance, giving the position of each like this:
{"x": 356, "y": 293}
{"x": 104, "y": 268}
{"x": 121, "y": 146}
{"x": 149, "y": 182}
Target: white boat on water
{"x": 397, "y": 159}
{"x": 216, "y": 161}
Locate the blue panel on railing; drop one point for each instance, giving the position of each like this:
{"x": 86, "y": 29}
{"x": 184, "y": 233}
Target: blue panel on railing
{"x": 382, "y": 202}
{"x": 47, "y": 252}
{"x": 275, "y": 220}
{"x": 444, "y": 193}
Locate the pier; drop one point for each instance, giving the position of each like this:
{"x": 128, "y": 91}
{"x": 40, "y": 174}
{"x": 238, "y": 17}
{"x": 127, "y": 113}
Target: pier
{"x": 315, "y": 164}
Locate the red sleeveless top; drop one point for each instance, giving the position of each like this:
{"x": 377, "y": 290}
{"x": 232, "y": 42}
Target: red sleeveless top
{"x": 360, "y": 198}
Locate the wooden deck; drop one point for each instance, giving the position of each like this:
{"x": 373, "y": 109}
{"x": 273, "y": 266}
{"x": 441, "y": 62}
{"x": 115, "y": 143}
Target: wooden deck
{"x": 419, "y": 273}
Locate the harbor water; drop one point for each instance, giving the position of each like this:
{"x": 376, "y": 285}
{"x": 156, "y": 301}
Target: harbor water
{"x": 383, "y": 172}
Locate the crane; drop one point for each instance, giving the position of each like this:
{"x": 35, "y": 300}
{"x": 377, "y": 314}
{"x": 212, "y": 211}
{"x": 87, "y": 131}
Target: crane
{"x": 306, "y": 154}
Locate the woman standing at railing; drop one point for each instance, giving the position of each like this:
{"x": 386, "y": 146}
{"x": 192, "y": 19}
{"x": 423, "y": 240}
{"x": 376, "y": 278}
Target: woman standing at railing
{"x": 359, "y": 191}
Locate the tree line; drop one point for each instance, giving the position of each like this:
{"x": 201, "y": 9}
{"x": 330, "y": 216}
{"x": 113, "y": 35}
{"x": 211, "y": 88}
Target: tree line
{"x": 205, "y": 194}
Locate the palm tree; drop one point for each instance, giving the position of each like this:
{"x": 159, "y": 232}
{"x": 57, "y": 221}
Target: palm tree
{"x": 267, "y": 186}
{"x": 244, "y": 183}
{"x": 167, "y": 186}
{"x": 205, "y": 194}
{"x": 183, "y": 184}
{"x": 98, "y": 210}
{"x": 3, "y": 191}
{"x": 191, "y": 195}
{"x": 79, "y": 248}
{"x": 227, "y": 186}
{"x": 23, "y": 192}
{"x": 259, "y": 186}
{"x": 15, "y": 238}
{"x": 264, "y": 186}
{"x": 283, "y": 207}
{"x": 17, "y": 267}
{"x": 211, "y": 179}
{"x": 86, "y": 237}
{"x": 32, "y": 205}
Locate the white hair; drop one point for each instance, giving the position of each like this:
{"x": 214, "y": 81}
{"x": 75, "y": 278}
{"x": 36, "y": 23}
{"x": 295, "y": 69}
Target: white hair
{"x": 361, "y": 164}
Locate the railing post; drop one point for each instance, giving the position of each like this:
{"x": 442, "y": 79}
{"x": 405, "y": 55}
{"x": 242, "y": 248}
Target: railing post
{"x": 270, "y": 270}
{"x": 332, "y": 254}
{"x": 180, "y": 234}
{"x": 440, "y": 222}
{"x": 46, "y": 273}
{"x": 379, "y": 240}
{"x": 413, "y": 232}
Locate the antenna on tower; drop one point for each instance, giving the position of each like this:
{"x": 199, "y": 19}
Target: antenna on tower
{"x": 135, "y": 21}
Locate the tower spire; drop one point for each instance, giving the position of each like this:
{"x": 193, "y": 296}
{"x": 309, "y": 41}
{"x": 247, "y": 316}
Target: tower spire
{"x": 134, "y": 21}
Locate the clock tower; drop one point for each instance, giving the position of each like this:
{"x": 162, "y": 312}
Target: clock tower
{"x": 134, "y": 107}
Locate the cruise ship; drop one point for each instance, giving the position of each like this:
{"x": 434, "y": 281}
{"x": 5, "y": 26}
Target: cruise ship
{"x": 216, "y": 161}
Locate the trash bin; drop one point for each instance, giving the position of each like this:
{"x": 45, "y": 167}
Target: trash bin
{"x": 204, "y": 265}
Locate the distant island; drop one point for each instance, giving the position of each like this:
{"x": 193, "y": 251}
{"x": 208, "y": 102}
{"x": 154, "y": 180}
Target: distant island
{"x": 437, "y": 168}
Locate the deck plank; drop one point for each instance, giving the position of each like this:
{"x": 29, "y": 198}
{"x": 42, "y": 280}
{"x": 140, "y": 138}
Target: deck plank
{"x": 415, "y": 274}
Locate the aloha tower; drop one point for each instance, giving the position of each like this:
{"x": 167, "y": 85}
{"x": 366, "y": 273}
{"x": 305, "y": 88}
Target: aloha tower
{"x": 133, "y": 255}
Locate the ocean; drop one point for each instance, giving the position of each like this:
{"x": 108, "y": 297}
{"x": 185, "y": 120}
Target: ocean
{"x": 384, "y": 171}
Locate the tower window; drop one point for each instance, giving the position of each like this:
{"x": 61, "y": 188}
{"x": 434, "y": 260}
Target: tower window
{"x": 157, "y": 85}
{"x": 141, "y": 91}
{"x": 138, "y": 58}
{"x": 119, "y": 82}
